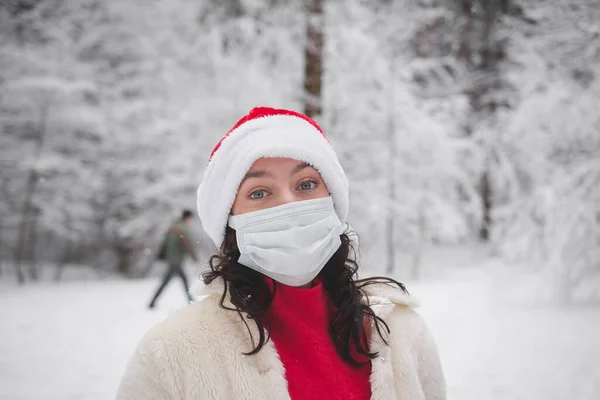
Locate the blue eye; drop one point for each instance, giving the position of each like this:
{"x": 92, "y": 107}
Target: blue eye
{"x": 258, "y": 194}
{"x": 308, "y": 185}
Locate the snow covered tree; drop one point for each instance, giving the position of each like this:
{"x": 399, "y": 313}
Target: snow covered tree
{"x": 549, "y": 171}
{"x": 313, "y": 57}
{"x": 403, "y": 156}
{"x": 433, "y": 107}
{"x": 160, "y": 101}
{"x": 45, "y": 114}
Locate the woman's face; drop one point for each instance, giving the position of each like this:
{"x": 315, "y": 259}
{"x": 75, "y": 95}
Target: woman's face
{"x": 272, "y": 182}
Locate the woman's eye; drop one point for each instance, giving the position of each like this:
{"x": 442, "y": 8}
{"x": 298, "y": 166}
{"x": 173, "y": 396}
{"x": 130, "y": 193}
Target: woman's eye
{"x": 308, "y": 185}
{"x": 258, "y": 194}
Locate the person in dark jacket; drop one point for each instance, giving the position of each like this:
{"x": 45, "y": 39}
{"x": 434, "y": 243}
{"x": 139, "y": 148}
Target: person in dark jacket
{"x": 177, "y": 243}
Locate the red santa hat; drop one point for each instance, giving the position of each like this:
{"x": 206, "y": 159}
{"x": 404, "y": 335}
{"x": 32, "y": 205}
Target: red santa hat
{"x": 265, "y": 133}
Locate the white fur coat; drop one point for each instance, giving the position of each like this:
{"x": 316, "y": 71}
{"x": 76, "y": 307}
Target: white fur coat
{"x": 196, "y": 354}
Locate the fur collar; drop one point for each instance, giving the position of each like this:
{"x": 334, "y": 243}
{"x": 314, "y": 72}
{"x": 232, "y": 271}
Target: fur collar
{"x": 381, "y": 297}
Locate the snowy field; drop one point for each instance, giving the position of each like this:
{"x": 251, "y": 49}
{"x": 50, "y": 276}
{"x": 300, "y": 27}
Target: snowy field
{"x": 72, "y": 340}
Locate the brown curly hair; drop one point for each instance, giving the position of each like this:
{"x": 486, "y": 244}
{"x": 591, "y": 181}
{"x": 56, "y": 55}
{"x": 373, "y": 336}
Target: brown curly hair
{"x": 251, "y": 295}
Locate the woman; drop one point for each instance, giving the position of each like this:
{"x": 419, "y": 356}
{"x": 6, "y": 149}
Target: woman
{"x": 282, "y": 315}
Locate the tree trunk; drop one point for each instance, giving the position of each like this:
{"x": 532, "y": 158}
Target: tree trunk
{"x": 65, "y": 257}
{"x": 393, "y": 155}
{"x": 125, "y": 258}
{"x": 485, "y": 191}
{"x": 30, "y": 189}
{"x": 422, "y": 237}
{"x": 1, "y": 246}
{"x": 33, "y": 271}
{"x": 10, "y": 204}
{"x": 66, "y": 253}
{"x": 313, "y": 57}
{"x": 480, "y": 19}
{"x": 24, "y": 225}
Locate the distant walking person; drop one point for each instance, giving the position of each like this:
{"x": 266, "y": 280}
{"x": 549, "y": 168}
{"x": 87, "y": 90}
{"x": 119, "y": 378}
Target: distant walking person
{"x": 177, "y": 242}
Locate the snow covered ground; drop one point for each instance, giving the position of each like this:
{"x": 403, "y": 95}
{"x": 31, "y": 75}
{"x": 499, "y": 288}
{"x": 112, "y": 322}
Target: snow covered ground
{"x": 72, "y": 340}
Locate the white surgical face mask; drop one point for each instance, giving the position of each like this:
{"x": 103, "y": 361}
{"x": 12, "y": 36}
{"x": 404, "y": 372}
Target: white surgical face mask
{"x": 290, "y": 243}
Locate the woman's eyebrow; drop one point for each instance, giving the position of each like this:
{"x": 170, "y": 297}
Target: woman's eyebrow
{"x": 256, "y": 174}
{"x": 300, "y": 167}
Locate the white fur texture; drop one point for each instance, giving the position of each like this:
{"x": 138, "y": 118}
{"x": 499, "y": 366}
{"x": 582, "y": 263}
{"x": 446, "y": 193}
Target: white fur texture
{"x": 196, "y": 354}
{"x": 273, "y": 136}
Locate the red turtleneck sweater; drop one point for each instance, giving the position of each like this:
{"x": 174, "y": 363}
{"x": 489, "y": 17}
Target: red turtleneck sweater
{"x": 300, "y": 331}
